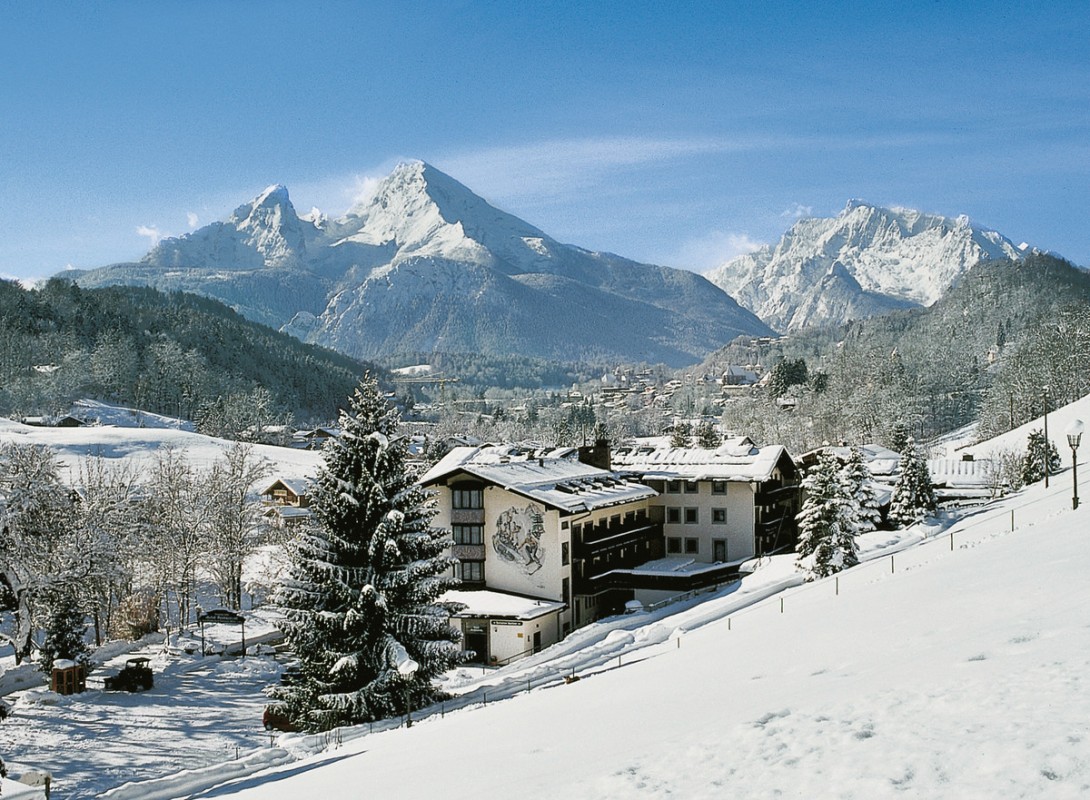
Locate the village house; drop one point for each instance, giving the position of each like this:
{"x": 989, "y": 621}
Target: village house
{"x": 286, "y": 501}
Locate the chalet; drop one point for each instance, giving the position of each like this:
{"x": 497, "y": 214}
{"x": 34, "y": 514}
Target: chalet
{"x": 287, "y": 501}
{"x": 313, "y": 439}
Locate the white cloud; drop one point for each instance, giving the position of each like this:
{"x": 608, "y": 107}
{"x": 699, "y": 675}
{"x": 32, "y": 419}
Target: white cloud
{"x": 558, "y": 167}
{"x": 152, "y": 232}
{"x": 797, "y": 211}
{"x": 364, "y": 187}
{"x": 192, "y": 219}
{"x": 712, "y": 249}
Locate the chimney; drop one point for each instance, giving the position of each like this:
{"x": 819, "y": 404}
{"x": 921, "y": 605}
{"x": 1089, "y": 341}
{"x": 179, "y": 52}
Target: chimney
{"x": 596, "y": 455}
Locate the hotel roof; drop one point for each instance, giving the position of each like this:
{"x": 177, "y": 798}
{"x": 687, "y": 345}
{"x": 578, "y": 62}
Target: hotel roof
{"x": 555, "y": 478}
{"x": 735, "y": 460}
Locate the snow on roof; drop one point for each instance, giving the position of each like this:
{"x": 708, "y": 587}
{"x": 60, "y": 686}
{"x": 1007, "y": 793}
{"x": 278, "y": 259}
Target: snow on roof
{"x": 881, "y": 461}
{"x": 963, "y": 474}
{"x": 559, "y": 482}
{"x": 487, "y": 603}
{"x": 737, "y": 459}
{"x": 298, "y": 486}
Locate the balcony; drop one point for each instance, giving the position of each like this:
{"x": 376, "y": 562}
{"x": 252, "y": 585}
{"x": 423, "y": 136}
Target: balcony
{"x": 467, "y": 516}
{"x": 468, "y": 552}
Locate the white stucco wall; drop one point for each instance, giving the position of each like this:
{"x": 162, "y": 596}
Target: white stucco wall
{"x": 737, "y": 532}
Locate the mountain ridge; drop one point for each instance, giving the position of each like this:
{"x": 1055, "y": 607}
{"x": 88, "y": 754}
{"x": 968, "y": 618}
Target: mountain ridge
{"x": 896, "y": 258}
{"x": 425, "y": 263}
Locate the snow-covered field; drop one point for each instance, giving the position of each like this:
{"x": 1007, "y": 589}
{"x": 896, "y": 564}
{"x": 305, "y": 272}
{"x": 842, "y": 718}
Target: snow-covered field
{"x": 139, "y": 446}
{"x": 929, "y": 671}
{"x": 950, "y": 664}
{"x": 935, "y": 672}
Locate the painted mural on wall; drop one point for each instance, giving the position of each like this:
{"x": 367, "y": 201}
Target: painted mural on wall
{"x": 518, "y": 537}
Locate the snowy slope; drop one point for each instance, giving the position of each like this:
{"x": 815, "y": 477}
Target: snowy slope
{"x": 139, "y": 447}
{"x": 865, "y": 261}
{"x": 954, "y": 669}
{"x": 425, "y": 264}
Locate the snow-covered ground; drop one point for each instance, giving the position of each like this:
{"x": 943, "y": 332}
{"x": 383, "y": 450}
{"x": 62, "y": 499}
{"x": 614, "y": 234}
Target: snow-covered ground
{"x": 950, "y": 664}
{"x": 963, "y": 440}
{"x": 139, "y": 446}
{"x": 955, "y": 668}
{"x": 201, "y": 711}
{"x": 958, "y": 668}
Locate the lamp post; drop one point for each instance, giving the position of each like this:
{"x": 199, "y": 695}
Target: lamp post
{"x": 1074, "y": 436}
{"x": 407, "y": 668}
{"x": 1046, "y": 436}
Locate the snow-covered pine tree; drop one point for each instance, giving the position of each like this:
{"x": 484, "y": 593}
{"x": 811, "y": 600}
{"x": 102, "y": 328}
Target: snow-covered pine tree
{"x": 898, "y": 437}
{"x": 361, "y": 598}
{"x": 860, "y": 486}
{"x": 65, "y": 627}
{"x": 913, "y": 495}
{"x": 707, "y": 436}
{"x": 682, "y": 434}
{"x": 1037, "y": 451}
{"x": 826, "y": 542}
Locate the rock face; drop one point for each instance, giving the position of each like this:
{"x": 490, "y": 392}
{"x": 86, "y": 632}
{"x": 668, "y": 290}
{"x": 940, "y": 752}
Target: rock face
{"x": 864, "y": 262}
{"x": 426, "y": 265}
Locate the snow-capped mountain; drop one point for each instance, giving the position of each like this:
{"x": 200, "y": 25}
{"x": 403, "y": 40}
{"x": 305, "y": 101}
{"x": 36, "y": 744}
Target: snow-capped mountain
{"x": 426, "y": 265}
{"x": 865, "y": 261}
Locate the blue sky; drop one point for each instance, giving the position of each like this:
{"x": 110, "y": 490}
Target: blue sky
{"x": 676, "y": 133}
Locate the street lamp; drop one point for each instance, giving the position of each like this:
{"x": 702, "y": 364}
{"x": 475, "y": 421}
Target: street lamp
{"x": 1046, "y": 436}
{"x": 1074, "y": 436}
{"x": 406, "y": 669}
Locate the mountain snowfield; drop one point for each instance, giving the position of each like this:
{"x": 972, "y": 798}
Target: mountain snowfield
{"x": 953, "y": 663}
{"x": 426, "y": 265}
{"x": 864, "y": 262}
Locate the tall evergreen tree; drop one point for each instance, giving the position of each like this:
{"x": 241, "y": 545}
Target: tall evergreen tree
{"x": 1038, "y": 453}
{"x": 860, "y": 486}
{"x": 898, "y": 437}
{"x": 827, "y": 521}
{"x": 65, "y": 627}
{"x": 361, "y": 600}
{"x": 913, "y": 495}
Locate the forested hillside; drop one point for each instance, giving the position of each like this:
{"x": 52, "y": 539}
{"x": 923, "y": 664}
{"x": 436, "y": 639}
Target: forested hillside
{"x": 175, "y": 354}
{"x": 985, "y": 351}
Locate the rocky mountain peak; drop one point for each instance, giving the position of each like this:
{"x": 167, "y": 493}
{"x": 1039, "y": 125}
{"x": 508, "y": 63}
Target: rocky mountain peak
{"x": 895, "y": 256}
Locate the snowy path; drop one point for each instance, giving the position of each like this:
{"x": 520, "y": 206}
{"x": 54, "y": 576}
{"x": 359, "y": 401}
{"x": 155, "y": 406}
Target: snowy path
{"x": 199, "y": 713}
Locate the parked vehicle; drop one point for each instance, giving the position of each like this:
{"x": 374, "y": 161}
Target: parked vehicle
{"x": 135, "y": 676}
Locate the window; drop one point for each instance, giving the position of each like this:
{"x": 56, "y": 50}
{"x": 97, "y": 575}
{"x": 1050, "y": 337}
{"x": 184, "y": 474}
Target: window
{"x": 565, "y": 554}
{"x": 468, "y": 498}
{"x": 472, "y": 571}
{"x": 719, "y": 516}
{"x": 673, "y": 487}
{"x": 692, "y": 516}
{"x": 468, "y": 534}
{"x": 565, "y": 591}
{"x": 673, "y": 544}
{"x": 615, "y": 521}
{"x": 692, "y": 546}
{"x": 673, "y": 515}
{"x": 564, "y": 525}
{"x": 691, "y": 487}
{"x": 719, "y": 487}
